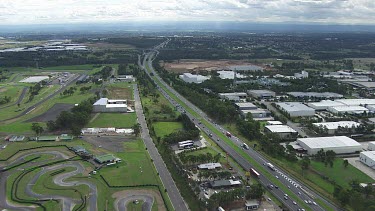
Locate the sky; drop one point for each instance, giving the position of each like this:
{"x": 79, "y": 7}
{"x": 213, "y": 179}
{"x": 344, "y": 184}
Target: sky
{"x": 21, "y": 12}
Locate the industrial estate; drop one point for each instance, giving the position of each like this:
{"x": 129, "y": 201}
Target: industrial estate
{"x": 129, "y": 122}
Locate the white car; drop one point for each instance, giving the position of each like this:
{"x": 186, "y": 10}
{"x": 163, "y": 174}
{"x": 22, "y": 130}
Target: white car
{"x": 314, "y": 203}
{"x": 295, "y": 203}
{"x": 277, "y": 177}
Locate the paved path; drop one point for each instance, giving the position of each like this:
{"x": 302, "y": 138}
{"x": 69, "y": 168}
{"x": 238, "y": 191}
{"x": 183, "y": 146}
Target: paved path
{"x": 24, "y": 91}
{"x": 148, "y": 201}
{"x": 172, "y": 190}
{"x": 31, "y": 108}
{"x": 4, "y": 203}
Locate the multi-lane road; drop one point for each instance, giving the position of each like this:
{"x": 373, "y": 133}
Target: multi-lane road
{"x": 302, "y": 195}
{"x": 172, "y": 190}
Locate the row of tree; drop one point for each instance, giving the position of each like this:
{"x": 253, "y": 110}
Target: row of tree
{"x": 201, "y": 158}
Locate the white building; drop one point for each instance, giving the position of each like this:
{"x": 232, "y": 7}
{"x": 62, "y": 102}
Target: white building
{"x": 262, "y": 94}
{"x": 371, "y": 107}
{"x": 339, "y": 144}
{"x": 34, "y": 79}
{"x": 190, "y": 78}
{"x": 224, "y": 74}
{"x": 348, "y": 109}
{"x": 235, "y": 96}
{"x": 125, "y": 78}
{"x": 303, "y": 74}
{"x": 334, "y": 126}
{"x": 274, "y": 123}
{"x": 209, "y": 166}
{"x": 321, "y": 95}
{"x": 246, "y": 106}
{"x": 296, "y": 109}
{"x": 324, "y": 105}
{"x": 356, "y": 102}
{"x": 284, "y": 131}
{"x": 258, "y": 114}
{"x": 368, "y": 158}
{"x": 104, "y": 105}
{"x": 371, "y": 146}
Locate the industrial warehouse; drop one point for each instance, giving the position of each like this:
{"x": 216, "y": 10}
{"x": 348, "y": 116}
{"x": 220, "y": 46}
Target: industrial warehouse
{"x": 333, "y": 127}
{"x": 296, "y": 109}
{"x": 338, "y": 144}
{"x": 104, "y": 105}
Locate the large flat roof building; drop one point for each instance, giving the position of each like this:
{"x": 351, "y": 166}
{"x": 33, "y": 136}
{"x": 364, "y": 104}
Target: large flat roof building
{"x": 339, "y": 144}
{"x": 334, "y": 126}
{"x": 321, "y": 95}
{"x": 368, "y": 158}
{"x": 190, "y": 78}
{"x": 105, "y": 105}
{"x": 258, "y": 114}
{"x": 296, "y": 109}
{"x": 209, "y": 166}
{"x": 324, "y": 104}
{"x": 261, "y": 93}
{"x": 224, "y": 74}
{"x": 246, "y": 106}
{"x": 234, "y": 96}
{"x": 224, "y": 183}
{"x": 284, "y": 131}
{"x": 348, "y": 109}
{"x": 356, "y": 102}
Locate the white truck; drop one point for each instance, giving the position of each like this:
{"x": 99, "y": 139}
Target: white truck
{"x": 271, "y": 166}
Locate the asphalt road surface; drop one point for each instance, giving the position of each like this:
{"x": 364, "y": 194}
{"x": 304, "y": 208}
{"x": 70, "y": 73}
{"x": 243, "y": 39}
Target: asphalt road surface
{"x": 19, "y": 100}
{"x": 172, "y": 190}
{"x": 148, "y": 201}
{"x": 29, "y": 109}
{"x": 4, "y": 203}
{"x": 294, "y": 186}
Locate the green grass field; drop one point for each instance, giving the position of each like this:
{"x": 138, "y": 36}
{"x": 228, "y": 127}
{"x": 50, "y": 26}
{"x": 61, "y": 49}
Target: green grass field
{"x": 165, "y": 128}
{"x": 135, "y": 168}
{"x": 134, "y": 207}
{"x": 10, "y": 91}
{"x": 118, "y": 120}
{"x": 208, "y": 150}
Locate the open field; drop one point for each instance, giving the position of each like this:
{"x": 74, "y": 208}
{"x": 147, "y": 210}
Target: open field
{"x": 118, "y": 120}
{"x": 189, "y": 65}
{"x": 165, "y": 128}
{"x": 11, "y": 91}
{"x": 120, "y": 91}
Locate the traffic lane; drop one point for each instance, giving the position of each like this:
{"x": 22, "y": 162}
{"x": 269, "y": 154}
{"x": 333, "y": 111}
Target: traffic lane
{"x": 184, "y": 100}
{"x": 166, "y": 178}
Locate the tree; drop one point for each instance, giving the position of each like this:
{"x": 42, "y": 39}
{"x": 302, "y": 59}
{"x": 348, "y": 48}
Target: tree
{"x": 305, "y": 164}
{"x": 37, "y": 128}
{"x": 256, "y": 191}
{"x": 345, "y": 163}
{"x": 137, "y": 129}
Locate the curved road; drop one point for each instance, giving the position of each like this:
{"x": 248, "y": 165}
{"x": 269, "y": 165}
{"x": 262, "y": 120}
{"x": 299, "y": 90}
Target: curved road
{"x": 4, "y": 203}
{"x": 31, "y": 108}
{"x": 24, "y": 91}
{"x": 148, "y": 201}
{"x": 68, "y": 203}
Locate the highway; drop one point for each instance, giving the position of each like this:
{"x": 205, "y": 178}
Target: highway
{"x": 172, "y": 190}
{"x": 298, "y": 190}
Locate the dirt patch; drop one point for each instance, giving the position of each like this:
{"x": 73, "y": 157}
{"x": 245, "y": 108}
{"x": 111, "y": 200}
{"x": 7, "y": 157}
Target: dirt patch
{"x": 120, "y": 93}
{"x": 157, "y": 197}
{"x": 188, "y": 65}
{"x": 111, "y": 143}
{"x": 52, "y": 113}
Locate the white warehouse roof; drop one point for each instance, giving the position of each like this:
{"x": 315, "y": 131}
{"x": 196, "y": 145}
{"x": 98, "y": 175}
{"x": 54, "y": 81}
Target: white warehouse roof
{"x": 349, "y": 109}
{"x": 209, "y": 166}
{"x": 280, "y": 129}
{"x": 294, "y": 106}
{"x": 336, "y": 125}
{"x": 357, "y": 102}
{"x": 274, "y": 123}
{"x": 369, "y": 154}
{"x": 246, "y": 105}
{"x": 339, "y": 144}
{"x": 101, "y": 101}
{"x": 324, "y": 104}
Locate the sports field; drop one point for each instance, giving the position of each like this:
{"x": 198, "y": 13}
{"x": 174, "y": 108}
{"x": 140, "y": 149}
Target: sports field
{"x": 165, "y": 128}
{"x": 118, "y": 120}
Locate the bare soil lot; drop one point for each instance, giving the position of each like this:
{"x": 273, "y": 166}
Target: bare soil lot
{"x": 190, "y": 65}
{"x": 52, "y": 113}
{"x": 111, "y": 143}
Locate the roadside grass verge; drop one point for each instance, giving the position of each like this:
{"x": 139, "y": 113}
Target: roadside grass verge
{"x": 165, "y": 128}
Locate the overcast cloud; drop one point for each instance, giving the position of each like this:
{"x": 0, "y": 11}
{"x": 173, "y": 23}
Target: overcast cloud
{"x": 74, "y": 11}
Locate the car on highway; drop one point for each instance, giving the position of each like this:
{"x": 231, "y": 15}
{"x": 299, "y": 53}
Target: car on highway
{"x": 295, "y": 203}
{"x": 285, "y": 197}
{"x": 314, "y": 203}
